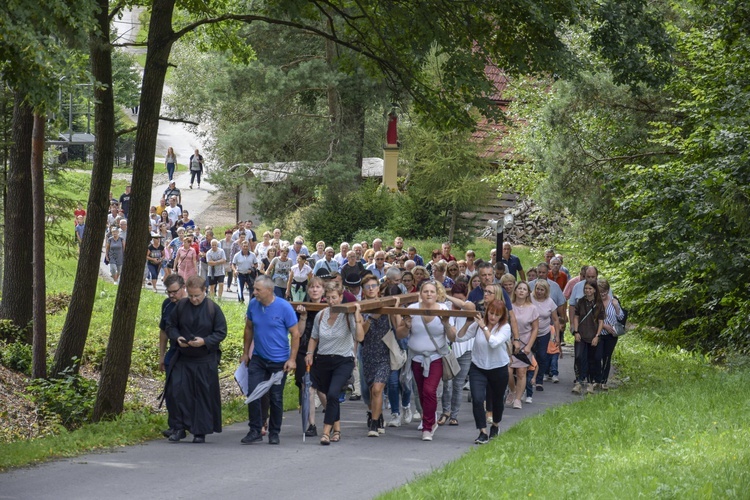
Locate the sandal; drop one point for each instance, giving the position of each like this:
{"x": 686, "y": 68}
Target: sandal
{"x": 443, "y": 419}
{"x": 336, "y": 437}
{"x": 325, "y": 440}
{"x": 453, "y": 421}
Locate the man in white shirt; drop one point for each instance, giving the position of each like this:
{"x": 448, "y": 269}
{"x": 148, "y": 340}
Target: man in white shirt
{"x": 341, "y": 257}
{"x": 173, "y": 211}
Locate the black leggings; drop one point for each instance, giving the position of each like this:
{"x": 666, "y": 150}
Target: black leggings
{"x": 608, "y": 347}
{"x": 193, "y": 173}
{"x": 333, "y": 372}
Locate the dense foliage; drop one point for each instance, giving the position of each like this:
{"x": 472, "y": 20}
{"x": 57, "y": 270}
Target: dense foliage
{"x": 658, "y": 180}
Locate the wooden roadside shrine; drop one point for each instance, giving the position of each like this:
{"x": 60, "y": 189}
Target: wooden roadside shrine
{"x": 386, "y": 305}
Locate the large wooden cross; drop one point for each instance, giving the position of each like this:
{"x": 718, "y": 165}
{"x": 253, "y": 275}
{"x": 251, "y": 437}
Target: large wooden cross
{"x": 385, "y": 305}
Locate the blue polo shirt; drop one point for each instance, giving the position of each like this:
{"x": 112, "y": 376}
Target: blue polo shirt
{"x": 271, "y": 326}
{"x": 514, "y": 265}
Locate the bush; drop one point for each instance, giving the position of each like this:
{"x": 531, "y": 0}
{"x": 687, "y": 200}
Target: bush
{"x": 17, "y": 356}
{"x": 68, "y": 399}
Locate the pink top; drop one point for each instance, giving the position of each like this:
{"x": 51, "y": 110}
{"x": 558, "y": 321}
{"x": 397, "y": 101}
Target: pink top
{"x": 187, "y": 266}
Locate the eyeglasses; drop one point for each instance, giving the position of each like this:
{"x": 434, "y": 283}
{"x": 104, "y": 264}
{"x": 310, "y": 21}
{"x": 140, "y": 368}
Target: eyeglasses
{"x": 297, "y": 242}
{"x": 370, "y": 287}
{"x": 489, "y": 291}
{"x": 173, "y": 292}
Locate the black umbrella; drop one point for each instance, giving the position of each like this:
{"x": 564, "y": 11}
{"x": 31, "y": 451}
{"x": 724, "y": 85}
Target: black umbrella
{"x": 305, "y": 401}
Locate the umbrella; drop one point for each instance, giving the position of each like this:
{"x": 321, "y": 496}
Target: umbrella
{"x": 265, "y": 386}
{"x": 522, "y": 357}
{"x": 304, "y": 401}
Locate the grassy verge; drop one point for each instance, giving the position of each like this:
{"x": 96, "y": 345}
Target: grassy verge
{"x": 131, "y": 427}
{"x": 676, "y": 428}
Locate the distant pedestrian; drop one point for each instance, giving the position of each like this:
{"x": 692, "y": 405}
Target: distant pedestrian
{"x": 125, "y": 201}
{"x": 196, "y": 168}
{"x": 170, "y": 161}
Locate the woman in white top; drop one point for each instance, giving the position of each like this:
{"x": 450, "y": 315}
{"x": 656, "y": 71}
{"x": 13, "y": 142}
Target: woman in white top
{"x": 428, "y": 343}
{"x": 333, "y": 334}
{"x": 547, "y": 318}
{"x": 299, "y": 277}
{"x": 489, "y": 364}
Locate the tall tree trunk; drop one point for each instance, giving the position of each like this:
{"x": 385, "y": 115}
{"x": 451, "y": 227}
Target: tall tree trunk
{"x": 17, "y": 298}
{"x": 39, "y": 357}
{"x": 114, "y": 377}
{"x": 78, "y": 319}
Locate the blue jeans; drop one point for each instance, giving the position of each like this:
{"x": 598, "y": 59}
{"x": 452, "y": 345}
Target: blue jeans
{"x": 494, "y": 381}
{"x": 170, "y": 170}
{"x": 553, "y": 359}
{"x": 542, "y": 358}
{"x": 243, "y": 279}
{"x": 453, "y": 389}
{"x": 258, "y": 370}
{"x": 394, "y": 388}
{"x": 193, "y": 175}
{"x": 279, "y": 292}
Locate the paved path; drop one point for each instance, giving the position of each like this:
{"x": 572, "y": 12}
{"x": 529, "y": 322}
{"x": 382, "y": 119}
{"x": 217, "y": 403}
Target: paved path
{"x": 356, "y": 467}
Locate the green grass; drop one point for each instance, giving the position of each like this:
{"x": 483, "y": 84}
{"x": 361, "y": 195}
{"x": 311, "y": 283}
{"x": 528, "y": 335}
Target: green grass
{"x": 677, "y": 428}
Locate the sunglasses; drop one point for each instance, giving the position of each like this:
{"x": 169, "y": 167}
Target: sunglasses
{"x": 370, "y": 287}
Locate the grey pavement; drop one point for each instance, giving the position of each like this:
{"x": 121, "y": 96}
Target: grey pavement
{"x": 356, "y": 467}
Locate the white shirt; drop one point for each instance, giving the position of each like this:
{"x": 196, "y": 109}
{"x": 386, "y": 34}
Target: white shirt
{"x": 419, "y": 340}
{"x": 174, "y": 213}
{"x": 491, "y": 354}
{"x": 461, "y": 348}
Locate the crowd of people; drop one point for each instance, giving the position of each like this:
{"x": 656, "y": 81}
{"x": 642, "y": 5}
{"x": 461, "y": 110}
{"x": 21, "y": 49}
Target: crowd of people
{"x": 506, "y": 350}
{"x": 505, "y": 347}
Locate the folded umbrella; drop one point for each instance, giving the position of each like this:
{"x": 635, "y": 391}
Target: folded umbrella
{"x": 265, "y": 386}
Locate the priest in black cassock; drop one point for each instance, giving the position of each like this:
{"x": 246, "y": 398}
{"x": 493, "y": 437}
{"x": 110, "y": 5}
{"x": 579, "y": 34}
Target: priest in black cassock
{"x": 198, "y": 326}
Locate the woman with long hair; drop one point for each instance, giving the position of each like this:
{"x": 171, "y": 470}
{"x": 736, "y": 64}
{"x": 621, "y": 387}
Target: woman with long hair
{"x": 587, "y": 325}
{"x": 453, "y": 271}
{"x": 407, "y": 279}
{"x": 439, "y": 270}
{"x": 428, "y": 343}
{"x": 279, "y": 270}
{"x": 527, "y": 318}
{"x": 170, "y": 161}
{"x": 436, "y": 257}
{"x": 333, "y": 335}
{"x": 299, "y": 277}
{"x": 488, "y": 372}
{"x": 613, "y": 313}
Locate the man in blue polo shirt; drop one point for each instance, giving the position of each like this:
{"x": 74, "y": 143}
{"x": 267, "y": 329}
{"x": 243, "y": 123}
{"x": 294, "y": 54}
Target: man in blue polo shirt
{"x": 269, "y": 322}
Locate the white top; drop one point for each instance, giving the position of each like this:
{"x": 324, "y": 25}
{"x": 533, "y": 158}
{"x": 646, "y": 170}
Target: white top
{"x": 491, "y": 354}
{"x": 174, "y": 213}
{"x": 300, "y": 275}
{"x": 336, "y": 339}
{"x": 419, "y": 340}
{"x": 465, "y": 346}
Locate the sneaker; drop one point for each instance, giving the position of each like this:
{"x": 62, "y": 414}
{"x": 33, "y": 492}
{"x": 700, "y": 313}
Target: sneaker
{"x": 273, "y": 439}
{"x": 395, "y": 420}
{"x": 539, "y": 388}
{"x": 597, "y": 387}
{"x": 177, "y": 435}
{"x": 555, "y": 379}
{"x": 517, "y": 404}
{"x": 416, "y": 416}
{"x": 467, "y": 386}
{"x": 355, "y": 397}
{"x": 381, "y": 424}
{"x": 342, "y": 397}
{"x": 529, "y": 400}
{"x": 311, "y": 431}
{"x": 605, "y": 387}
{"x": 419, "y": 427}
{"x": 482, "y": 439}
{"x": 510, "y": 398}
{"x": 426, "y": 436}
{"x": 494, "y": 429}
{"x": 589, "y": 388}
{"x": 408, "y": 415}
{"x": 576, "y": 388}
{"x": 373, "y": 432}
{"x": 251, "y": 437}
{"x": 191, "y": 186}
{"x": 199, "y": 186}
{"x": 548, "y": 378}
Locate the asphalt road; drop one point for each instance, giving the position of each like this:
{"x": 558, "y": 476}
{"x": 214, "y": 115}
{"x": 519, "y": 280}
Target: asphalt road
{"x": 356, "y": 467}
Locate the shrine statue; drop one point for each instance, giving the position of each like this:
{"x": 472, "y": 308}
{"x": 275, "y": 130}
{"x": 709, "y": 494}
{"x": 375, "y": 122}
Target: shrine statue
{"x": 391, "y": 137}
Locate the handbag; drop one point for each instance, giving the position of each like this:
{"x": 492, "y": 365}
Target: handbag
{"x": 450, "y": 363}
{"x": 619, "y": 329}
{"x": 397, "y": 355}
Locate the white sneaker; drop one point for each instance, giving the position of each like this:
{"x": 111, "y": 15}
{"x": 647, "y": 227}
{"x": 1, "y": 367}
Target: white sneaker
{"x": 555, "y": 379}
{"x": 529, "y": 400}
{"x": 395, "y": 420}
{"x": 416, "y": 416}
{"x": 426, "y": 436}
{"x": 419, "y": 427}
{"x": 576, "y": 388}
{"x": 408, "y": 416}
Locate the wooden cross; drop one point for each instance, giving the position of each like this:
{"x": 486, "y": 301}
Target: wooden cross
{"x": 385, "y": 305}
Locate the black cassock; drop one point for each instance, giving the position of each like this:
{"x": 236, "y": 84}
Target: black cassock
{"x": 193, "y": 393}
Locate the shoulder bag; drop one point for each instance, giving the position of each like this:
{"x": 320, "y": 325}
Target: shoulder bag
{"x": 450, "y": 363}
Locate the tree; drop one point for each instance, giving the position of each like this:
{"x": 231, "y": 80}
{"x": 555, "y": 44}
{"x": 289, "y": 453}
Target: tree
{"x": 77, "y": 321}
